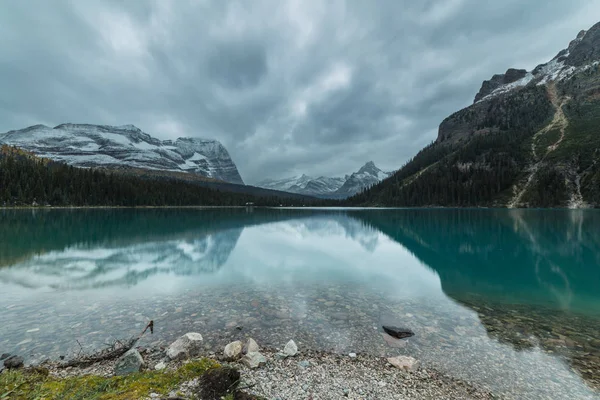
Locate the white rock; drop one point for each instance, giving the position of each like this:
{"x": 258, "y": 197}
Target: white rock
{"x": 160, "y": 366}
{"x": 352, "y": 355}
{"x": 254, "y": 360}
{"x": 290, "y": 349}
{"x": 404, "y": 362}
{"x": 129, "y": 362}
{"x": 233, "y": 350}
{"x": 251, "y": 347}
{"x": 187, "y": 346}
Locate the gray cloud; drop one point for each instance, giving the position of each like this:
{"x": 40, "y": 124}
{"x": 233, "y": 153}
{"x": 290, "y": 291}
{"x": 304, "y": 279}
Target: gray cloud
{"x": 288, "y": 86}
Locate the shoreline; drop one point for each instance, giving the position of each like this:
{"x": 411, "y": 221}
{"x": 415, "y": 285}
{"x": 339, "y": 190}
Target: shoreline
{"x": 200, "y": 207}
{"x": 309, "y": 374}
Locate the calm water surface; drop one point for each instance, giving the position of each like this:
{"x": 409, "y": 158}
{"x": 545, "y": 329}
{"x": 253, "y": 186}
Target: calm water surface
{"x": 506, "y": 299}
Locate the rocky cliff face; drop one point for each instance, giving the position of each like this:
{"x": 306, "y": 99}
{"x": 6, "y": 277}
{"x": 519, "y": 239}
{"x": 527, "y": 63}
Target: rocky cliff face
{"x": 84, "y": 145}
{"x": 531, "y": 139}
{"x": 510, "y": 76}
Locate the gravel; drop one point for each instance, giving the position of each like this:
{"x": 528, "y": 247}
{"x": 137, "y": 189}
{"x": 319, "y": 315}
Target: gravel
{"x": 331, "y": 376}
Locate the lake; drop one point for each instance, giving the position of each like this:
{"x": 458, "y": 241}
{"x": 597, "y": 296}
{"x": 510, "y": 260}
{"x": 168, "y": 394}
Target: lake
{"x": 507, "y": 299}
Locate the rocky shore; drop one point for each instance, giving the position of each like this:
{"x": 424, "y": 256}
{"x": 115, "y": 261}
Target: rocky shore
{"x": 242, "y": 370}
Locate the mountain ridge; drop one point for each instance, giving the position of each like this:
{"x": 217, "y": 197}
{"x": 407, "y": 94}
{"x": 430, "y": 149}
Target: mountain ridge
{"x": 329, "y": 187}
{"x": 125, "y": 146}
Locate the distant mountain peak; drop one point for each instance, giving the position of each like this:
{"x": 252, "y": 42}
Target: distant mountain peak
{"x": 329, "y": 187}
{"x": 369, "y": 167}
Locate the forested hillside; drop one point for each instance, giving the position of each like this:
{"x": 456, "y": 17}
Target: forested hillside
{"x": 29, "y": 180}
{"x": 534, "y": 142}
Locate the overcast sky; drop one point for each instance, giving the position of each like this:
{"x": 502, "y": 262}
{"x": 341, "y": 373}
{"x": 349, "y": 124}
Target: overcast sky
{"x": 288, "y": 86}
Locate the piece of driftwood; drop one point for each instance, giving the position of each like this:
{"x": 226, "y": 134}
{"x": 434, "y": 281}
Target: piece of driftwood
{"x": 115, "y": 351}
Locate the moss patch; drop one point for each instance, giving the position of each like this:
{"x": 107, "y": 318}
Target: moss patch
{"x": 36, "y": 384}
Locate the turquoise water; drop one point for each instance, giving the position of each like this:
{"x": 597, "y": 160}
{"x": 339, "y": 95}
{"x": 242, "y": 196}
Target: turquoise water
{"x": 509, "y": 299}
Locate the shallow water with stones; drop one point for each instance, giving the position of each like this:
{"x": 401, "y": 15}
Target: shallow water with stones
{"x": 506, "y": 299}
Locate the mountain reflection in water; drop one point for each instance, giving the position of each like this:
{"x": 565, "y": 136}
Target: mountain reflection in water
{"x": 531, "y": 276}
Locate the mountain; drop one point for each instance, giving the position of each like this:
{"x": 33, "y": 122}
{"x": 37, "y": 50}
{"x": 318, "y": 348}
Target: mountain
{"x": 322, "y": 186}
{"x": 530, "y": 139}
{"x": 328, "y": 187}
{"x": 123, "y": 147}
{"x": 367, "y": 176}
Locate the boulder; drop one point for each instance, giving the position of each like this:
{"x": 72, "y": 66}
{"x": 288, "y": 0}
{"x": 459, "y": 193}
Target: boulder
{"x": 129, "y": 362}
{"x": 160, "y": 366}
{"x": 250, "y": 347}
{"x": 398, "y": 332}
{"x": 290, "y": 349}
{"x": 187, "y": 346}
{"x": 13, "y": 362}
{"x": 233, "y": 350}
{"x": 404, "y": 362}
{"x": 254, "y": 360}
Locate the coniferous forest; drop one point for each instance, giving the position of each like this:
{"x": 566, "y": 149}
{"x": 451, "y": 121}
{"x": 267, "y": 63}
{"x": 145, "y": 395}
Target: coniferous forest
{"x": 26, "y": 180}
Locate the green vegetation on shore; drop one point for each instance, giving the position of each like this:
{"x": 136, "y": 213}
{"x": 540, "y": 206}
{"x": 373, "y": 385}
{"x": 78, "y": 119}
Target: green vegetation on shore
{"x": 36, "y": 383}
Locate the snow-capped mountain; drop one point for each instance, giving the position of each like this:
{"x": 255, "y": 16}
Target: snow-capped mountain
{"x": 328, "y": 187}
{"x": 367, "y": 176}
{"x": 304, "y": 184}
{"x": 126, "y": 146}
{"x": 581, "y": 55}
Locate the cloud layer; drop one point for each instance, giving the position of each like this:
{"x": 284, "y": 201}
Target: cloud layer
{"x": 288, "y": 86}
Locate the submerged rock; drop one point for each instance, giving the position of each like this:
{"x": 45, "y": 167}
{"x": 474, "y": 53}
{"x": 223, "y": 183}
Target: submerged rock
{"x": 187, "y": 346}
{"x": 13, "y": 362}
{"x": 398, "y": 332}
{"x": 129, "y": 362}
{"x": 233, "y": 350}
{"x": 254, "y": 360}
{"x": 393, "y": 342}
{"x": 404, "y": 362}
{"x": 4, "y": 356}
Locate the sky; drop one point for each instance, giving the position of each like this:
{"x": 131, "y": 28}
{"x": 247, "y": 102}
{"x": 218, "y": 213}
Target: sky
{"x": 288, "y": 86}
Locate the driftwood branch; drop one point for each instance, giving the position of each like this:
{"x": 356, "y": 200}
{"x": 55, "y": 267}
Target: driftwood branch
{"x": 114, "y": 351}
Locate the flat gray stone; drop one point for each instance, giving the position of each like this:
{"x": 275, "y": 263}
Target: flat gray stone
{"x": 254, "y": 360}
{"x": 189, "y": 345}
{"x": 404, "y": 362}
